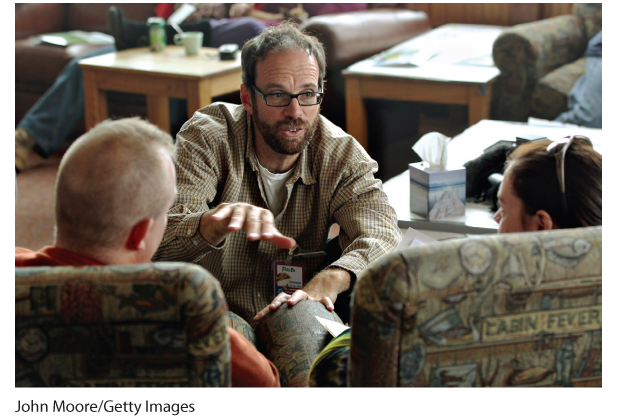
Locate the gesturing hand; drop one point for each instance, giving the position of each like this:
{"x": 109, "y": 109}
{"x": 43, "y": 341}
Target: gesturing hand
{"x": 258, "y": 223}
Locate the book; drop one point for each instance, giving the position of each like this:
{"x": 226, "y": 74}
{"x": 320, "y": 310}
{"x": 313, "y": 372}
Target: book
{"x": 65, "y": 39}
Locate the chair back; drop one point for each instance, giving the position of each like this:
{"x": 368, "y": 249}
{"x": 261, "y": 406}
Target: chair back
{"x": 503, "y": 310}
{"x": 158, "y": 324}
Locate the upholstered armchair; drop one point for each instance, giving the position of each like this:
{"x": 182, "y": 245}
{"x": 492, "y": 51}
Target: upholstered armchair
{"x": 540, "y": 62}
{"x": 502, "y": 310}
{"x": 160, "y": 324}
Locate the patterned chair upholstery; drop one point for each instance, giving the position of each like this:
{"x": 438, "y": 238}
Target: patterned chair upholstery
{"x": 160, "y": 324}
{"x": 540, "y": 62}
{"x": 502, "y": 310}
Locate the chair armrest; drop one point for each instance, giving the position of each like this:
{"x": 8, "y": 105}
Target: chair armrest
{"x": 292, "y": 338}
{"x": 531, "y": 50}
{"x": 527, "y": 52}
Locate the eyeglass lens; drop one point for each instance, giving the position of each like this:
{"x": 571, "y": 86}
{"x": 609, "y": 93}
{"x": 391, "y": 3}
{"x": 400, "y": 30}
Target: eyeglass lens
{"x": 283, "y": 99}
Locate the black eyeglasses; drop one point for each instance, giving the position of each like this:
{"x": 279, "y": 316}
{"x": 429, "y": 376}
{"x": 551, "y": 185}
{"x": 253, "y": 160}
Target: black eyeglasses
{"x": 279, "y": 100}
{"x": 560, "y": 155}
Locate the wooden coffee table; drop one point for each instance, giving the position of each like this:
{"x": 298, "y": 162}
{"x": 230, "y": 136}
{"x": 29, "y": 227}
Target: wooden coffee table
{"x": 159, "y": 76}
{"x": 461, "y": 73}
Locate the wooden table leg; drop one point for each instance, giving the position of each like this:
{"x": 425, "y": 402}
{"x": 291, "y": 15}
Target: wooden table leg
{"x": 95, "y": 100}
{"x": 198, "y": 96}
{"x": 356, "y": 111}
{"x": 479, "y": 104}
{"x": 159, "y": 111}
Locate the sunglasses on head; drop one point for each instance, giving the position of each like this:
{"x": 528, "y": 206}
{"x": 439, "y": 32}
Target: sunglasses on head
{"x": 559, "y": 150}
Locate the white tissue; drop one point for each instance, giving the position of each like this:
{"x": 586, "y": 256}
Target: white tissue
{"x": 431, "y": 147}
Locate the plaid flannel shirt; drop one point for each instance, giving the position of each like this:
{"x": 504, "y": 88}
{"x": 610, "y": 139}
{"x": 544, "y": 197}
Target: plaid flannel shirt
{"x": 333, "y": 182}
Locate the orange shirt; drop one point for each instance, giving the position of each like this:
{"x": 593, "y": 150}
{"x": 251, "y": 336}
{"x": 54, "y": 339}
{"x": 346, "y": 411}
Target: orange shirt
{"x": 249, "y": 367}
{"x": 50, "y": 256}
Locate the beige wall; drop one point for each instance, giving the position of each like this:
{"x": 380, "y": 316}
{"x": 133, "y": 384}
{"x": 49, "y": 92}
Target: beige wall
{"x": 502, "y": 14}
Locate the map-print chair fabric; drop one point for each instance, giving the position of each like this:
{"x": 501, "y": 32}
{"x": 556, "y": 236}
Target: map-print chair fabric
{"x": 503, "y": 310}
{"x": 156, "y": 325}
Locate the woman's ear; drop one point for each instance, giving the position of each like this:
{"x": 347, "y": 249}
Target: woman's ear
{"x": 542, "y": 221}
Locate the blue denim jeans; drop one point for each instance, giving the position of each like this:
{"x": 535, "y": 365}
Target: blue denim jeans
{"x": 52, "y": 118}
{"x": 585, "y": 99}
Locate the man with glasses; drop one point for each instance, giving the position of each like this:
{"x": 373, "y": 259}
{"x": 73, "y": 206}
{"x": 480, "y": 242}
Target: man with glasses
{"x": 277, "y": 169}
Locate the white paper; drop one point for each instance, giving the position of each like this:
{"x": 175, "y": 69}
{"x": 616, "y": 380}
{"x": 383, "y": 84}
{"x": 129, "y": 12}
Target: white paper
{"x": 406, "y": 57}
{"x": 414, "y": 238}
{"x": 333, "y": 328}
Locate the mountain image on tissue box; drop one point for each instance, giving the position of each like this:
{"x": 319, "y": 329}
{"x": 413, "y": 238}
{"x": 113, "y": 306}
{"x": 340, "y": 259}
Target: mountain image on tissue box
{"x": 437, "y": 194}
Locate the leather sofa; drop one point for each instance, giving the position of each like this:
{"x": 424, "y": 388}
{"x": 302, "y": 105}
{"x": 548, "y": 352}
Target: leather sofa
{"x": 32, "y": 79}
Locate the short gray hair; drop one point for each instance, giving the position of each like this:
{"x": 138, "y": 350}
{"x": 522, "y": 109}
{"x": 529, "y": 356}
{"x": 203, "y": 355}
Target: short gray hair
{"x": 276, "y": 39}
{"x": 111, "y": 178}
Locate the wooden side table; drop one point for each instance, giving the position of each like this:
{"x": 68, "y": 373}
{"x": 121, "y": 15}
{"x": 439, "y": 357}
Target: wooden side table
{"x": 159, "y": 76}
{"x": 461, "y": 73}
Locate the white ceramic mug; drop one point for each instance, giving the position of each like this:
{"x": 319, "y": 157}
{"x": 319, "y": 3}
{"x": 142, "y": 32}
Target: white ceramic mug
{"x": 191, "y": 40}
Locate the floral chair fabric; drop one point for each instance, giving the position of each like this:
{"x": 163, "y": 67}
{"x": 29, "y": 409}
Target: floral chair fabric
{"x": 160, "y": 324}
{"x": 535, "y": 59}
{"x": 502, "y": 310}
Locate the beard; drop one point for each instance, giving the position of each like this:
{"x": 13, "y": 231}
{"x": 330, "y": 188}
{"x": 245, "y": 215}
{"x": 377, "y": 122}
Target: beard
{"x": 280, "y": 144}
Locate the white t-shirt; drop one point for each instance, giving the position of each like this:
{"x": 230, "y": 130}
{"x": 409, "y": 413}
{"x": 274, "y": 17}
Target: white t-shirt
{"x": 274, "y": 187}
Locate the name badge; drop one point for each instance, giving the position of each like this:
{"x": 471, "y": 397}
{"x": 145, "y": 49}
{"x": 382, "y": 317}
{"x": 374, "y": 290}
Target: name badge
{"x": 290, "y": 275}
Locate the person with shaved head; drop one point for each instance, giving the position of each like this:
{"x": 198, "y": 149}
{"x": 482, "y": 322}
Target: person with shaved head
{"x": 114, "y": 187}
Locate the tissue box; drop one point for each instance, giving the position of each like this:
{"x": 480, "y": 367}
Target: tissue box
{"x": 437, "y": 194}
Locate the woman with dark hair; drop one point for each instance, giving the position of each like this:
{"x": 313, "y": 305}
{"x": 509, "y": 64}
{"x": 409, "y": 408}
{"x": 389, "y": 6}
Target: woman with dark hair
{"x": 549, "y": 185}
